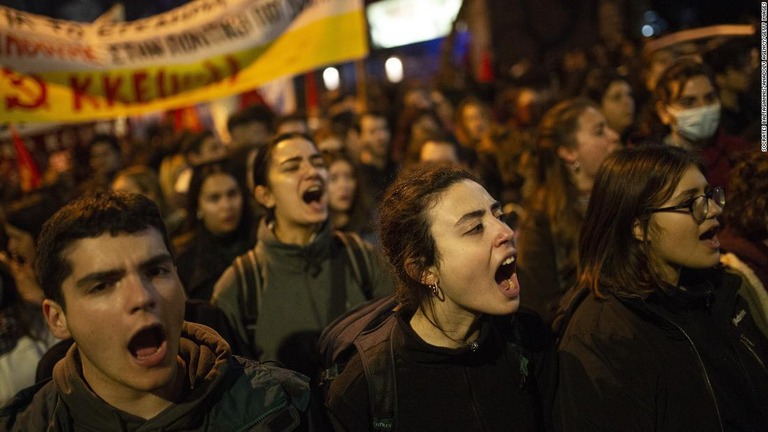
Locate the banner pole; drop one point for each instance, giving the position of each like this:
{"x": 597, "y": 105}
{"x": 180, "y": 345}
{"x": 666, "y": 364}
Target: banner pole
{"x": 361, "y": 84}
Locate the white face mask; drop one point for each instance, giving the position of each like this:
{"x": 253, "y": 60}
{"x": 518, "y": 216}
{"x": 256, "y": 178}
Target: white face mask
{"x": 697, "y": 124}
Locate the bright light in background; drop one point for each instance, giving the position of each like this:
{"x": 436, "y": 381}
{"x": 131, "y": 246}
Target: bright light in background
{"x": 395, "y": 23}
{"x": 647, "y": 30}
{"x": 331, "y": 78}
{"x": 394, "y": 69}
{"x": 653, "y": 24}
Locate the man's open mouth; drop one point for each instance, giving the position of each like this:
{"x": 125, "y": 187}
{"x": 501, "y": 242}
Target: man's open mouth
{"x": 147, "y": 341}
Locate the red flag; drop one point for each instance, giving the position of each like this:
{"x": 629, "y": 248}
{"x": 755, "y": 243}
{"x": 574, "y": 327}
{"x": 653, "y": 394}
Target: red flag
{"x": 187, "y": 118}
{"x": 29, "y": 174}
{"x": 250, "y": 97}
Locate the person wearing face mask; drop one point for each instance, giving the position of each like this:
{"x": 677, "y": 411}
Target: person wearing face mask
{"x": 687, "y": 103}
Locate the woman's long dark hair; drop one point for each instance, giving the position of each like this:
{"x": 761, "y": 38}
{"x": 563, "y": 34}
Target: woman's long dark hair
{"x": 360, "y": 214}
{"x": 201, "y": 173}
{"x": 405, "y": 227}
{"x": 611, "y": 258}
{"x": 553, "y": 194}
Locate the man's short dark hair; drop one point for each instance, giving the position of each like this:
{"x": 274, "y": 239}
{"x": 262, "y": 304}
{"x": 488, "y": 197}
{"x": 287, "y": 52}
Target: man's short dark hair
{"x": 105, "y": 138}
{"x": 88, "y": 217}
{"x": 374, "y": 114}
{"x": 254, "y": 113}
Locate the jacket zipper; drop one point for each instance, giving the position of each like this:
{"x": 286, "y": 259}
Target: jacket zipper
{"x": 701, "y": 365}
{"x": 750, "y": 346}
{"x": 263, "y": 416}
{"x": 478, "y": 419}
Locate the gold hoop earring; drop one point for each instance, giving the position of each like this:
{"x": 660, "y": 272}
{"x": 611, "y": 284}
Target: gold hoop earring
{"x": 437, "y": 292}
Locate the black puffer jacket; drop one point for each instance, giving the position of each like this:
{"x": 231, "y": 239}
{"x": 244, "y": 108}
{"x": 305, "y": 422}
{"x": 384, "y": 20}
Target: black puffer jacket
{"x": 687, "y": 358}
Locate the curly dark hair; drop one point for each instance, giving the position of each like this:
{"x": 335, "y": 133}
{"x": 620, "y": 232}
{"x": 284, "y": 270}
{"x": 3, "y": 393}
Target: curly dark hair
{"x": 747, "y": 209}
{"x": 405, "y": 228}
{"x": 89, "y": 217}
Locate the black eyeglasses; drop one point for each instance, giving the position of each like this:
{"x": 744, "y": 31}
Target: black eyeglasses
{"x": 698, "y": 205}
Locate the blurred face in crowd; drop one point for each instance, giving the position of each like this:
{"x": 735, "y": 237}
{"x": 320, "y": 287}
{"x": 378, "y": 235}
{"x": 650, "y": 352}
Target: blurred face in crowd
{"x": 296, "y": 191}
{"x": 694, "y": 114}
{"x": 375, "y": 135}
{"x": 417, "y": 98}
{"x": 210, "y": 149}
{"x": 104, "y": 159}
{"x": 251, "y": 134}
{"x": 658, "y": 62}
{"x": 438, "y": 151}
{"x": 475, "y": 120}
{"x": 736, "y": 78}
{"x": 292, "y": 126}
{"x": 220, "y": 204}
{"x": 331, "y": 143}
{"x": 341, "y": 185}
{"x": 125, "y": 184}
{"x": 694, "y": 93}
{"x": 423, "y": 128}
{"x": 475, "y": 268}
{"x": 124, "y": 308}
{"x": 594, "y": 141}
{"x": 618, "y": 106}
{"x": 21, "y": 244}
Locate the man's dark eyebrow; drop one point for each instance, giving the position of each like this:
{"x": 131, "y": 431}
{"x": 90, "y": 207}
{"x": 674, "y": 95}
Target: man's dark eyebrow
{"x": 98, "y": 277}
{"x": 118, "y": 273}
{"x": 156, "y": 261}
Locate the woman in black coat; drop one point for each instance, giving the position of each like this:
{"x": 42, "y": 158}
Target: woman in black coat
{"x": 658, "y": 337}
{"x": 219, "y": 227}
{"x": 461, "y": 355}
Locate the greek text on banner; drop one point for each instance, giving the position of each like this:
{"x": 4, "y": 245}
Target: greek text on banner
{"x": 53, "y": 70}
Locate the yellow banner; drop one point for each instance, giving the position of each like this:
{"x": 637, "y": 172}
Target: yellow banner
{"x": 185, "y": 56}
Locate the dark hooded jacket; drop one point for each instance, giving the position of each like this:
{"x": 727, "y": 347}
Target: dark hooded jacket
{"x": 224, "y": 393}
{"x": 686, "y": 358}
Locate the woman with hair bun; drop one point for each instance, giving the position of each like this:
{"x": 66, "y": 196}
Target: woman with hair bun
{"x": 462, "y": 357}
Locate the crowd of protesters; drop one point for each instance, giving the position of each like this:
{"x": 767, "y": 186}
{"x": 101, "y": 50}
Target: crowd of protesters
{"x": 578, "y": 177}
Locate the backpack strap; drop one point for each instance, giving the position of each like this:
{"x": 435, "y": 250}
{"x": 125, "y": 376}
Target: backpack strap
{"x": 377, "y": 355}
{"x": 359, "y": 259}
{"x": 250, "y": 288}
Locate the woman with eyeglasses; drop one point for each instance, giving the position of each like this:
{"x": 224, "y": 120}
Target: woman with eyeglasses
{"x": 656, "y": 336}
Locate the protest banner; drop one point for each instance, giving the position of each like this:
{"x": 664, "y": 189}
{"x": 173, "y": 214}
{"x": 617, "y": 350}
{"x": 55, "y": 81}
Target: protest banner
{"x": 54, "y": 70}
